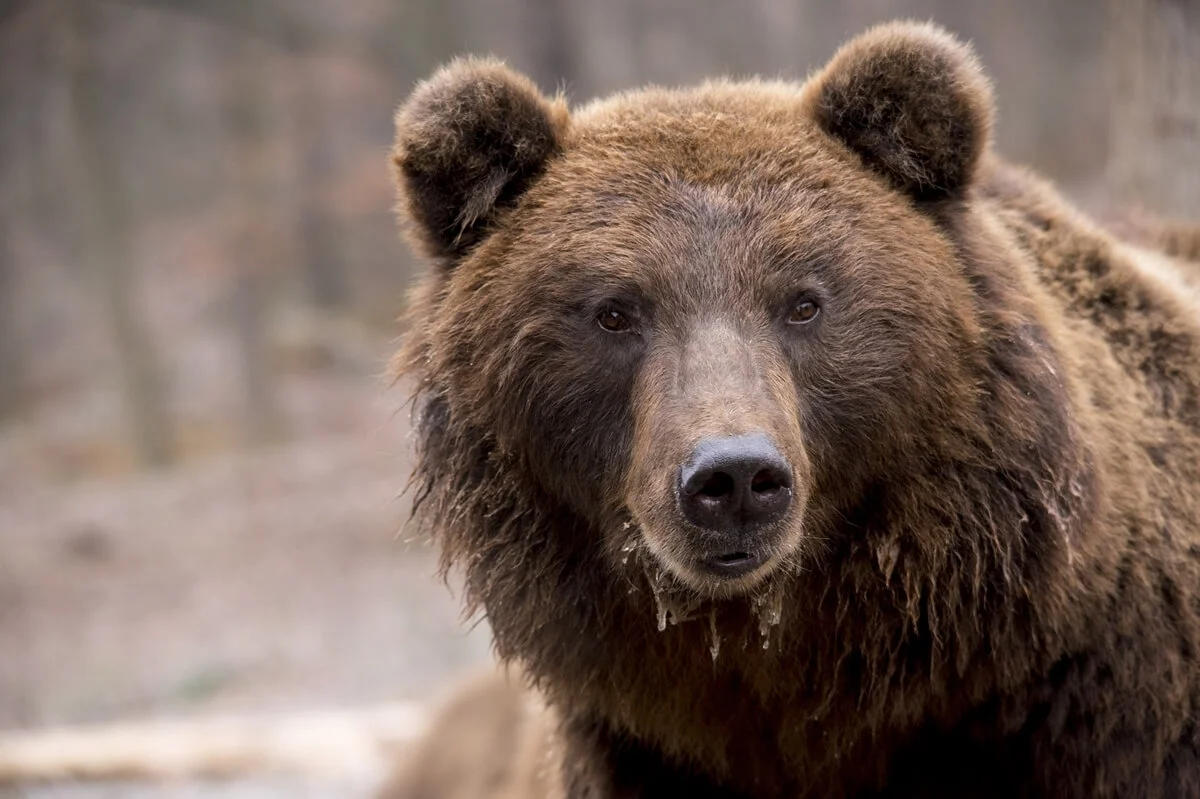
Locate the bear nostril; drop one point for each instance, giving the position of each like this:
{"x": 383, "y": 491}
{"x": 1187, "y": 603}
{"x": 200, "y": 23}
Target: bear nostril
{"x": 734, "y": 485}
{"x": 718, "y": 485}
{"x": 766, "y": 481}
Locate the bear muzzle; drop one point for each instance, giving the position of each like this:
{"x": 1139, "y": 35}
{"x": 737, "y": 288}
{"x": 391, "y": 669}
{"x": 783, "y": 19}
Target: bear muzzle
{"x": 730, "y": 488}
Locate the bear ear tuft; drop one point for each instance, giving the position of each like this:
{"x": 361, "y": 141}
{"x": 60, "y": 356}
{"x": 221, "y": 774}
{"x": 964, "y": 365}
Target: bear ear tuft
{"x": 469, "y": 141}
{"x": 912, "y": 101}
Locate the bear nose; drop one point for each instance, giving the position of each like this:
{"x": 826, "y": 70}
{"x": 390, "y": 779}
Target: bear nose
{"x": 732, "y": 485}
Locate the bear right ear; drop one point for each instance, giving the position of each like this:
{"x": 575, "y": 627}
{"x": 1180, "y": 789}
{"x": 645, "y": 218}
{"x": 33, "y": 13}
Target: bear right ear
{"x": 912, "y": 102}
{"x": 469, "y": 141}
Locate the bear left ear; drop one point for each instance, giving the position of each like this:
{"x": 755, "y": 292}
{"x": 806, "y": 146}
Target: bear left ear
{"x": 912, "y": 101}
{"x": 469, "y": 141}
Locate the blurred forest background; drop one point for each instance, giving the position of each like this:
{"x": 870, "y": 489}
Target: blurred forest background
{"x": 200, "y": 456}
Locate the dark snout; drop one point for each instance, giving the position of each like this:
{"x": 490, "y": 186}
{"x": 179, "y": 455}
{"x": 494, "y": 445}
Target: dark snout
{"x": 731, "y": 487}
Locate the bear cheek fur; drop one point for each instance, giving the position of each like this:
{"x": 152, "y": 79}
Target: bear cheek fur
{"x": 518, "y": 367}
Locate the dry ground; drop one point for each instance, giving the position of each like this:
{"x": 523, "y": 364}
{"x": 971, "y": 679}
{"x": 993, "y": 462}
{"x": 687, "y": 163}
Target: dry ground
{"x": 257, "y": 583}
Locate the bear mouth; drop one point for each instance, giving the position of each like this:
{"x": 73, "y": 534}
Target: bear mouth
{"x": 731, "y": 564}
{"x": 723, "y": 574}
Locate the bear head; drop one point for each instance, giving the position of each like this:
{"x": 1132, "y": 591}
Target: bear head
{"x": 688, "y": 333}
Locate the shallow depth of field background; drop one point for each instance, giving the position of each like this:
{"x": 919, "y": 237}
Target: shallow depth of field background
{"x": 201, "y": 458}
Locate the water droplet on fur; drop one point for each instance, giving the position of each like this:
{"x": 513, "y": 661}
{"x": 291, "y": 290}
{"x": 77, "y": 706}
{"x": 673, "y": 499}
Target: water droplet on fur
{"x": 660, "y": 605}
{"x": 769, "y": 609}
{"x": 714, "y": 648}
{"x": 631, "y": 545}
{"x": 679, "y": 611}
{"x": 887, "y": 556}
{"x": 670, "y": 607}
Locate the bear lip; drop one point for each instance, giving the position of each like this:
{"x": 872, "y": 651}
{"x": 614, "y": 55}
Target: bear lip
{"x": 731, "y": 564}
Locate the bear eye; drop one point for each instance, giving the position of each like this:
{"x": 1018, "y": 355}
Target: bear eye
{"x": 803, "y": 312}
{"x": 613, "y": 321}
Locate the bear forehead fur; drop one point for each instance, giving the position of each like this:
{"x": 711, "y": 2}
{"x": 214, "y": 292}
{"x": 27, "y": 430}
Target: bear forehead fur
{"x": 986, "y": 577}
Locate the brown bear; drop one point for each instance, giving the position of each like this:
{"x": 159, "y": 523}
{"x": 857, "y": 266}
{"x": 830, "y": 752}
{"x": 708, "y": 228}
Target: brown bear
{"x": 795, "y": 445}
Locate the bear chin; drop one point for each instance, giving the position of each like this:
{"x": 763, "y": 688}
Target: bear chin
{"x": 691, "y": 573}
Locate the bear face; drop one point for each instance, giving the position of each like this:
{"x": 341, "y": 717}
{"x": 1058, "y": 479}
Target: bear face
{"x": 636, "y": 315}
{"x": 694, "y": 320}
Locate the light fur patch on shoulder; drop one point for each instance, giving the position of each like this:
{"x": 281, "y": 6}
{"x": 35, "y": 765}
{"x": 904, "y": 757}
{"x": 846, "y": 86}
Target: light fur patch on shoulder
{"x": 1171, "y": 273}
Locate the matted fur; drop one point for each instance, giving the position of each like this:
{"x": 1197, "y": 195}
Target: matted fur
{"x": 988, "y": 583}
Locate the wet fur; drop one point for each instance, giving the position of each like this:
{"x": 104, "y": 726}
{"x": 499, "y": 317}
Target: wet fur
{"x": 994, "y": 591}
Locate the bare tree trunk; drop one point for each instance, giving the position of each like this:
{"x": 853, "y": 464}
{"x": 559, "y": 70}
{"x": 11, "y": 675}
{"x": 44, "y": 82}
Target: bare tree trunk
{"x": 320, "y": 253}
{"x": 264, "y": 420}
{"x": 104, "y": 205}
{"x": 1154, "y": 159}
{"x": 252, "y": 262}
{"x": 13, "y": 182}
{"x": 10, "y": 344}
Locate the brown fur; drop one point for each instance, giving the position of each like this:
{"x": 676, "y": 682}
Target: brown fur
{"x": 491, "y": 740}
{"x": 987, "y": 581}
{"x": 1177, "y": 240}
